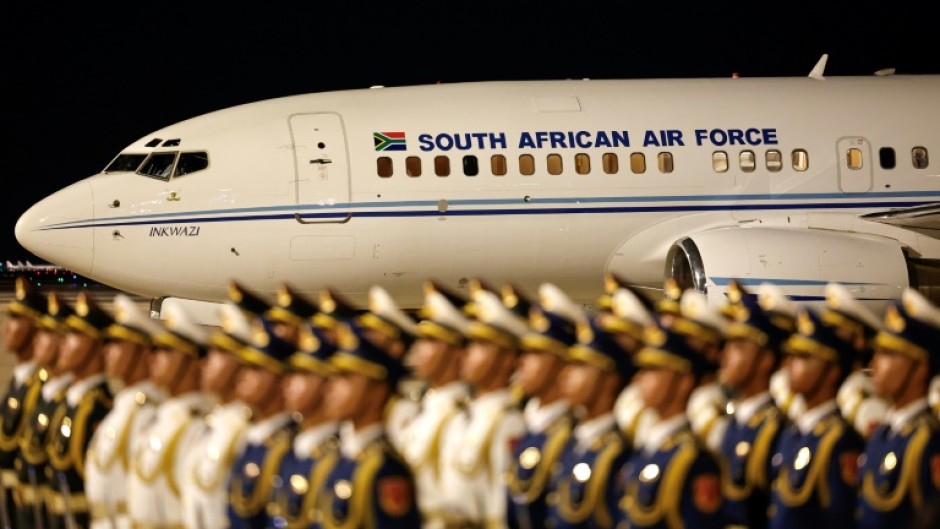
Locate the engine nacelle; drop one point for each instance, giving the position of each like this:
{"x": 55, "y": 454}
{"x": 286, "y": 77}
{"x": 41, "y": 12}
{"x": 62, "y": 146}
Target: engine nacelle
{"x": 799, "y": 261}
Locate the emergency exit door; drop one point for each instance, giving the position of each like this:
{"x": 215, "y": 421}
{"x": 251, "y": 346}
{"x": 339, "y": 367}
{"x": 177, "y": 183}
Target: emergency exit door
{"x": 321, "y": 167}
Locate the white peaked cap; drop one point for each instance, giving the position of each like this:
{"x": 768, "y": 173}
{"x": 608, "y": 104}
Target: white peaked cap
{"x": 626, "y": 305}
{"x": 693, "y": 305}
{"x": 179, "y": 321}
{"x": 772, "y": 299}
{"x": 128, "y": 314}
{"x": 489, "y": 310}
{"x": 234, "y": 322}
{"x": 439, "y": 309}
{"x": 382, "y": 305}
{"x": 840, "y": 299}
{"x": 553, "y": 299}
{"x": 919, "y": 307}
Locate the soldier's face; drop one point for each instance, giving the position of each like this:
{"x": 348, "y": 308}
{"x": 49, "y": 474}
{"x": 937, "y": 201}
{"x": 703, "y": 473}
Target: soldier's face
{"x": 166, "y": 366}
{"x": 75, "y": 351}
{"x": 286, "y": 331}
{"x": 537, "y": 369}
{"x": 254, "y": 384}
{"x": 657, "y": 386}
{"x": 346, "y": 395}
{"x": 46, "y": 348}
{"x": 737, "y": 362}
{"x": 579, "y": 382}
{"x": 427, "y": 355}
{"x": 478, "y": 364}
{"x": 119, "y": 355}
{"x": 16, "y": 331}
{"x": 304, "y": 392}
{"x": 804, "y": 372}
{"x": 220, "y": 370}
{"x": 890, "y": 372}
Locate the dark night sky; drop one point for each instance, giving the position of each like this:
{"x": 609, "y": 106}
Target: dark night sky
{"x": 82, "y": 82}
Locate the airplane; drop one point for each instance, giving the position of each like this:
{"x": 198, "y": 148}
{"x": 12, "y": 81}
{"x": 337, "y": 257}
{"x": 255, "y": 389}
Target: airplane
{"x": 30, "y": 267}
{"x": 793, "y": 181}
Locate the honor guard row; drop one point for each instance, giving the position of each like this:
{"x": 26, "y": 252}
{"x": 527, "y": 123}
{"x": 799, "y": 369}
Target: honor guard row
{"x": 485, "y": 409}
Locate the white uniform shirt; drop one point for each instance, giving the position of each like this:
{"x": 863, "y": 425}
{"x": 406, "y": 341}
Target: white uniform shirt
{"x": 477, "y": 450}
{"x": 859, "y": 404}
{"x": 421, "y": 446}
{"x": 109, "y": 458}
{"x": 160, "y": 458}
{"x": 632, "y": 415}
{"x": 208, "y": 465}
{"x": 707, "y": 415}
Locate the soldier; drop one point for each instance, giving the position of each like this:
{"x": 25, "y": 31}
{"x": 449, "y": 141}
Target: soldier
{"x": 31, "y": 462}
{"x": 209, "y": 460}
{"x": 547, "y": 413}
{"x": 269, "y": 436}
{"x": 704, "y": 328}
{"x": 631, "y": 312}
{"x": 160, "y": 451}
{"x": 392, "y": 330}
{"x": 369, "y": 485}
{"x": 304, "y": 469}
{"x": 585, "y": 491}
{"x": 436, "y": 355}
{"x": 87, "y": 401}
{"x": 334, "y": 312}
{"x": 751, "y": 354}
{"x": 855, "y": 324}
{"x": 670, "y": 481}
{"x": 782, "y": 313}
{"x": 128, "y": 353}
{"x": 19, "y": 328}
{"x": 815, "y": 466}
{"x": 477, "y": 450}
{"x": 899, "y": 474}
{"x": 290, "y": 315}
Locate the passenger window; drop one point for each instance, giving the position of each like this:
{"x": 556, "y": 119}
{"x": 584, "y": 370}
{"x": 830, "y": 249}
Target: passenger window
{"x": 384, "y": 166}
{"x": 610, "y": 163}
{"x": 159, "y": 165}
{"x": 800, "y": 160}
{"x": 720, "y": 161}
{"x": 554, "y": 164}
{"x": 665, "y": 162}
{"x": 413, "y": 166}
{"x": 919, "y": 157}
{"x": 582, "y": 163}
{"x": 190, "y": 162}
{"x": 527, "y": 165}
{"x": 470, "y": 166}
{"x": 442, "y": 166}
{"x": 498, "y": 165}
{"x": 853, "y": 158}
{"x": 638, "y": 162}
{"x": 887, "y": 158}
{"x": 125, "y": 163}
{"x": 774, "y": 160}
{"x": 746, "y": 161}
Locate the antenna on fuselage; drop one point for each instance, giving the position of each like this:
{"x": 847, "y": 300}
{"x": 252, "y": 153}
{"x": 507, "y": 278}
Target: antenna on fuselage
{"x": 820, "y": 68}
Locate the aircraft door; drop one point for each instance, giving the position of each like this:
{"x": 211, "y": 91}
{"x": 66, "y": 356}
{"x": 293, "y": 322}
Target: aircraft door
{"x": 321, "y": 167}
{"x": 855, "y": 165}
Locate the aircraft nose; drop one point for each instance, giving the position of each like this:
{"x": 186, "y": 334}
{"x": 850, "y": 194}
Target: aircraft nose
{"x": 58, "y": 228}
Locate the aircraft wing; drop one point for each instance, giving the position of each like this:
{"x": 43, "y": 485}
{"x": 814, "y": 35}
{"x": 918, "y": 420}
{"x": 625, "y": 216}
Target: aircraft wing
{"x": 922, "y": 219}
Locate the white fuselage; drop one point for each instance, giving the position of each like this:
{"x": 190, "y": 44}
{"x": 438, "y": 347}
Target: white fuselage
{"x": 316, "y": 155}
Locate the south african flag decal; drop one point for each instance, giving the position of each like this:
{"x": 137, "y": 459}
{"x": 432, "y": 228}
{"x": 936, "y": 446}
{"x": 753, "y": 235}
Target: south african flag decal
{"x": 389, "y": 141}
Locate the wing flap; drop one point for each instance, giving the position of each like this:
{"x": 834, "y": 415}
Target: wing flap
{"x": 921, "y": 219}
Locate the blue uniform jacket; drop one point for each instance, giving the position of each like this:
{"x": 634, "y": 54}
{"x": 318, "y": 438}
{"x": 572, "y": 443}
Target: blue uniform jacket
{"x": 252, "y": 478}
{"x": 899, "y": 474}
{"x": 676, "y": 486}
{"x": 815, "y": 475}
{"x": 745, "y": 452}
{"x": 375, "y": 490}
{"x": 530, "y": 471}
{"x": 585, "y": 492}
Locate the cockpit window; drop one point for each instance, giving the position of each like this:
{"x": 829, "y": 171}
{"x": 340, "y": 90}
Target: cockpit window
{"x": 190, "y": 162}
{"x": 159, "y": 165}
{"x": 125, "y": 163}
